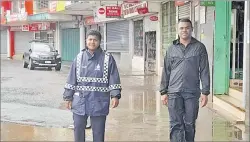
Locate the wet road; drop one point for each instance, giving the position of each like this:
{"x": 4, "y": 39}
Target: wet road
{"x": 32, "y": 109}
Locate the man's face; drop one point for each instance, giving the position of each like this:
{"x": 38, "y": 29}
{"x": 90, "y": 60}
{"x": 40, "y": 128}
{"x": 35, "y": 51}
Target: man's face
{"x": 185, "y": 30}
{"x": 93, "y": 42}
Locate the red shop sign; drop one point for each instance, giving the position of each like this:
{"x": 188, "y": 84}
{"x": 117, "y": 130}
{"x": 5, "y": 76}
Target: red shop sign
{"x": 34, "y": 27}
{"x": 25, "y": 28}
{"x": 153, "y": 18}
{"x": 113, "y": 11}
{"x": 143, "y": 10}
{"x": 179, "y": 3}
{"x": 89, "y": 20}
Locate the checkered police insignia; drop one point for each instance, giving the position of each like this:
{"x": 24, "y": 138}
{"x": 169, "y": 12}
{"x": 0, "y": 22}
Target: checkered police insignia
{"x": 92, "y": 88}
{"x": 69, "y": 86}
{"x": 104, "y": 79}
{"x": 115, "y": 86}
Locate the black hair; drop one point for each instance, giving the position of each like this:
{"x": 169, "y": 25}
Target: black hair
{"x": 186, "y": 20}
{"x": 95, "y": 33}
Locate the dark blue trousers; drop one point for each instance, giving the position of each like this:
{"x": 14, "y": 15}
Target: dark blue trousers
{"x": 98, "y": 127}
{"x": 183, "y": 111}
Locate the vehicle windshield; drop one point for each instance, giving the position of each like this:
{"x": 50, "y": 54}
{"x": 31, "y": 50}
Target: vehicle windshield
{"x": 39, "y": 47}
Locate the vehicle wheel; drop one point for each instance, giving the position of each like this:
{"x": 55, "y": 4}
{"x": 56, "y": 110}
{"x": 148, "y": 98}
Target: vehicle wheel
{"x": 49, "y": 68}
{"x": 58, "y": 67}
{"x": 25, "y": 65}
{"x": 31, "y": 66}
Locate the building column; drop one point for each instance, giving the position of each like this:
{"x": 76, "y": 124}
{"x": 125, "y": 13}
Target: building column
{"x": 222, "y": 47}
{"x": 10, "y": 43}
{"x": 246, "y": 61}
{"x": 82, "y": 37}
{"x": 105, "y": 36}
{"x": 58, "y": 38}
{"x": 158, "y": 44}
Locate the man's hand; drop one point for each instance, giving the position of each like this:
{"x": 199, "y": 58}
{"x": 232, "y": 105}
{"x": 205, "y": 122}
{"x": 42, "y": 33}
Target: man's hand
{"x": 164, "y": 99}
{"x": 115, "y": 102}
{"x": 69, "y": 105}
{"x": 204, "y": 100}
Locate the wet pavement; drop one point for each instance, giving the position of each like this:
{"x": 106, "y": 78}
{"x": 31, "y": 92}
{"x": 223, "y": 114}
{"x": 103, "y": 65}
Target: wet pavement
{"x": 32, "y": 109}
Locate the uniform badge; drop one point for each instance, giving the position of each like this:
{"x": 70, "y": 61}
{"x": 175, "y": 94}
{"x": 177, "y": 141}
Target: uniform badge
{"x": 97, "y": 67}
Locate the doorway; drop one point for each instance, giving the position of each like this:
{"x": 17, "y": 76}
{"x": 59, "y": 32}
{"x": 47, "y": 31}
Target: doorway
{"x": 150, "y": 52}
{"x": 237, "y": 44}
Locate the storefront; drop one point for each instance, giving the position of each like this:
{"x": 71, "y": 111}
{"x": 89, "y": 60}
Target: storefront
{"x": 145, "y": 22}
{"x": 25, "y": 33}
{"x": 44, "y": 31}
{"x": 22, "y": 39}
{"x": 70, "y": 40}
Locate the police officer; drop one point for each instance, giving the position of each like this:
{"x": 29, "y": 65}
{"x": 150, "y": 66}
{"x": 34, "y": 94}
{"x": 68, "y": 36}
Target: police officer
{"x": 92, "y": 82}
{"x": 185, "y": 64}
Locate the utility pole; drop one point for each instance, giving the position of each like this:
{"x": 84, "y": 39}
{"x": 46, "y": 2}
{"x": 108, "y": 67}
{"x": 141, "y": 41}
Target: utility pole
{"x": 246, "y": 61}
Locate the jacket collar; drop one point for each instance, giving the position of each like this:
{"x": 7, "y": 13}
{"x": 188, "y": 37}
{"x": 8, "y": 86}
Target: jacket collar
{"x": 96, "y": 53}
{"x": 177, "y": 41}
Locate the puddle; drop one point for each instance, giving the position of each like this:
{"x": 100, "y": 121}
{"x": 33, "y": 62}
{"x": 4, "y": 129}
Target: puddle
{"x": 15, "y": 132}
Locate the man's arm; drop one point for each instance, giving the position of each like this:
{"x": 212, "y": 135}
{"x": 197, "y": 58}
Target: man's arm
{"x": 204, "y": 72}
{"x": 114, "y": 79}
{"x": 165, "y": 74}
{"x": 71, "y": 83}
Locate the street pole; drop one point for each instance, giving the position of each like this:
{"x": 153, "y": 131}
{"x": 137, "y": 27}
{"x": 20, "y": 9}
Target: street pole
{"x": 246, "y": 61}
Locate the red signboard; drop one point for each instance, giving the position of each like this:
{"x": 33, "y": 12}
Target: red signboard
{"x": 153, "y": 18}
{"x": 33, "y": 27}
{"x": 25, "y": 28}
{"x": 143, "y": 10}
{"x": 89, "y": 20}
{"x": 39, "y": 26}
{"x": 113, "y": 11}
{"x": 101, "y": 10}
{"x": 179, "y": 3}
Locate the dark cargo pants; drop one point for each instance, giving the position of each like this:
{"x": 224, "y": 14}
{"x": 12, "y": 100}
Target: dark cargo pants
{"x": 98, "y": 127}
{"x": 183, "y": 111}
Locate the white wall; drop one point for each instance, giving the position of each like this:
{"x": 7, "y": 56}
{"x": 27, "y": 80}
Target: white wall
{"x": 151, "y": 25}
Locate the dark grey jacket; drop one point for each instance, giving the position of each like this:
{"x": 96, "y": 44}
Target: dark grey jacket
{"x": 184, "y": 67}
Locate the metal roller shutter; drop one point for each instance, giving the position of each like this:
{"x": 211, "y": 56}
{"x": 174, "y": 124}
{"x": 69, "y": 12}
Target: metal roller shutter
{"x": 70, "y": 43}
{"x": 184, "y": 11}
{"x": 22, "y": 40}
{"x": 3, "y": 41}
{"x": 118, "y": 36}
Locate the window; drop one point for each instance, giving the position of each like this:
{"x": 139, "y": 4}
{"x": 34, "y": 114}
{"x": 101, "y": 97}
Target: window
{"x": 41, "y": 4}
{"x": 43, "y": 35}
{"x": 40, "y": 47}
{"x": 37, "y": 35}
{"x": 138, "y": 38}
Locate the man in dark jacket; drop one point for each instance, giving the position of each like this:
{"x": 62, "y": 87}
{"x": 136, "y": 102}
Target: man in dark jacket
{"x": 185, "y": 64}
{"x": 93, "y": 79}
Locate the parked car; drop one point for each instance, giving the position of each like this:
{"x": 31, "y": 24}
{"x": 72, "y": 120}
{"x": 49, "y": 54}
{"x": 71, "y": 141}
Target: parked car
{"x": 41, "y": 54}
